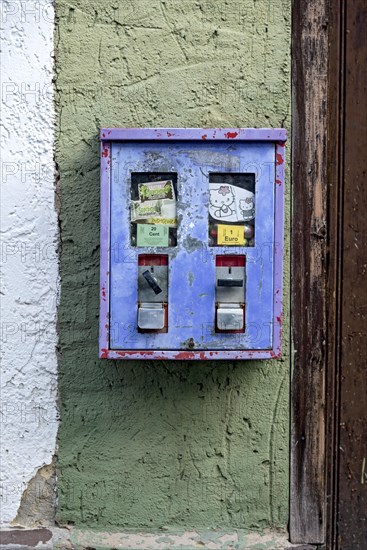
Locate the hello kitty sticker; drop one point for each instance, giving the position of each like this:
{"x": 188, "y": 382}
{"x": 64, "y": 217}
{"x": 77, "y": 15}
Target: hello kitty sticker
{"x": 231, "y": 209}
{"x": 228, "y": 203}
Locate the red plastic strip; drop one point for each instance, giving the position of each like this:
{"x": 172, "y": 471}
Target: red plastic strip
{"x": 230, "y": 260}
{"x": 153, "y": 259}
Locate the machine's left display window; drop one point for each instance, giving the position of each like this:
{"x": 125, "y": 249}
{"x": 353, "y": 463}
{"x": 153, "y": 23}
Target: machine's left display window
{"x": 153, "y": 209}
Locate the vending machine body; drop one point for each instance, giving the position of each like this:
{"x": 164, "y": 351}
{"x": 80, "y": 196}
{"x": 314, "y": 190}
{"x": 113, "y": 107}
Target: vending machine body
{"x": 191, "y": 243}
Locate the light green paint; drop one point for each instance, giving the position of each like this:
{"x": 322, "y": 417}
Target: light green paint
{"x": 146, "y": 445}
{"x": 238, "y": 539}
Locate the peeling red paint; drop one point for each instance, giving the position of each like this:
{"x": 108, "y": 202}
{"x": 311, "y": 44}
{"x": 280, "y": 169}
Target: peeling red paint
{"x": 103, "y": 292}
{"x": 279, "y": 319}
{"x": 129, "y": 353}
{"x": 104, "y": 353}
{"x": 280, "y": 159}
{"x": 185, "y": 355}
{"x": 278, "y": 182}
{"x": 204, "y": 136}
{"x": 169, "y": 134}
{"x": 105, "y": 153}
{"x": 103, "y": 135}
{"x": 231, "y": 135}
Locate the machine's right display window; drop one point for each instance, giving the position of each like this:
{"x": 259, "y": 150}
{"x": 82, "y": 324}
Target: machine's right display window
{"x": 231, "y": 209}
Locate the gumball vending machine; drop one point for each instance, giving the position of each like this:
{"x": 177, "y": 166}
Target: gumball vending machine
{"x": 191, "y": 243}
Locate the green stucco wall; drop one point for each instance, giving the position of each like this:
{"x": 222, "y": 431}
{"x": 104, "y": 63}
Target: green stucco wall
{"x": 153, "y": 444}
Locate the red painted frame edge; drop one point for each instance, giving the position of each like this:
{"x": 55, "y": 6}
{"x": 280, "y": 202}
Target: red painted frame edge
{"x": 279, "y": 136}
{"x": 189, "y": 134}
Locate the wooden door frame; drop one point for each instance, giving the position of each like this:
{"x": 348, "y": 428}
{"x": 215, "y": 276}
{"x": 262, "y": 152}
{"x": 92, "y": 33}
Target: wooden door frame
{"x": 309, "y": 273}
{"x": 328, "y": 50}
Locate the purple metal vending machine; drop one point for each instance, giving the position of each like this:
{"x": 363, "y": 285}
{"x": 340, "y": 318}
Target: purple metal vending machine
{"x": 191, "y": 243}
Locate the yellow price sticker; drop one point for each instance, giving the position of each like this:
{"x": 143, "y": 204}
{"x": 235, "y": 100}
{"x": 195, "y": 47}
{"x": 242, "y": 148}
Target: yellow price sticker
{"x": 230, "y": 235}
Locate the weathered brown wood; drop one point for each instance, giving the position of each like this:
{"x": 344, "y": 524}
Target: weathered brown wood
{"x": 352, "y": 489}
{"x": 309, "y": 274}
{"x": 347, "y": 403}
{"x": 336, "y": 60}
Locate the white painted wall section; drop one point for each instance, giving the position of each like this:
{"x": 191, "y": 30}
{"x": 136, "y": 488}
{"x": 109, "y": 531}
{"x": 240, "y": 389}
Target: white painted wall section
{"x": 29, "y": 266}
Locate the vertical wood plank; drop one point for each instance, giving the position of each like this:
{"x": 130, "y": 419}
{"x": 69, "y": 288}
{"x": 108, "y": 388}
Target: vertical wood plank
{"x": 336, "y": 62}
{"x": 352, "y": 478}
{"x": 309, "y": 273}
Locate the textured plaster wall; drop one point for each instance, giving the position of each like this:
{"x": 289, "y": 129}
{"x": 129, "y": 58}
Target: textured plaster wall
{"x": 163, "y": 444}
{"x": 29, "y": 264}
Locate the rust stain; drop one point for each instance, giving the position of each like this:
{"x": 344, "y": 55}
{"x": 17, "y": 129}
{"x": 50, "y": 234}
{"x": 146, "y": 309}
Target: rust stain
{"x": 204, "y": 136}
{"x": 129, "y": 353}
{"x": 105, "y": 153}
{"x": 278, "y": 182}
{"x": 231, "y": 135}
{"x": 185, "y": 355}
{"x": 280, "y": 159}
{"x": 280, "y": 321}
{"x": 104, "y": 353}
